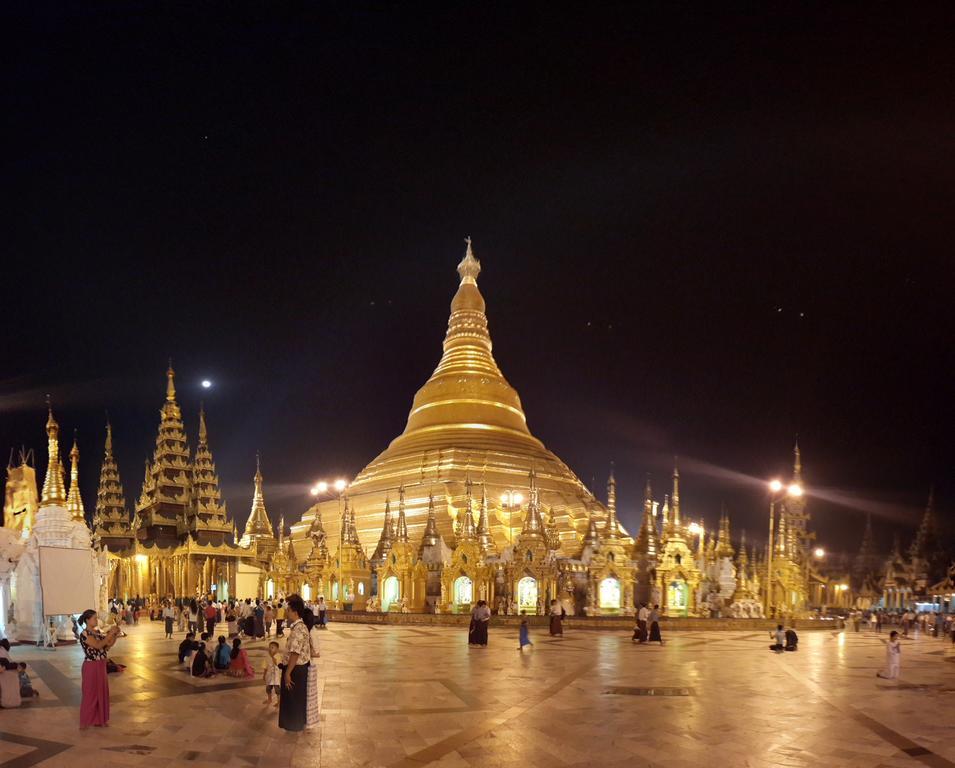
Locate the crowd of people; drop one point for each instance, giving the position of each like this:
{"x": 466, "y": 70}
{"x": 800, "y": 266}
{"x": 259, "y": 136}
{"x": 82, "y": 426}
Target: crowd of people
{"x": 290, "y": 677}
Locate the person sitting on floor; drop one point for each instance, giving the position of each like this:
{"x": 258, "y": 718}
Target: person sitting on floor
{"x": 792, "y": 640}
{"x": 26, "y": 687}
{"x": 222, "y": 657}
{"x": 200, "y": 663}
{"x": 780, "y": 637}
{"x": 186, "y": 648}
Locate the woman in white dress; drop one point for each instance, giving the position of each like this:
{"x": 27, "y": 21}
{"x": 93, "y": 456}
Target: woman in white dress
{"x": 893, "y": 658}
{"x": 312, "y": 714}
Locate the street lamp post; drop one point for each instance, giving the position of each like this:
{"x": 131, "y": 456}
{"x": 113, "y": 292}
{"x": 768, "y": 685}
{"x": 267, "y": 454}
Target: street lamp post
{"x": 339, "y": 486}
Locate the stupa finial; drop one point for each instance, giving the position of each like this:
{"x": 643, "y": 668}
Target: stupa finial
{"x": 470, "y": 267}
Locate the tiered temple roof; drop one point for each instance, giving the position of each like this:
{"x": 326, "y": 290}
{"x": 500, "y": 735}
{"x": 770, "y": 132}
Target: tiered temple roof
{"x": 111, "y": 524}
{"x": 206, "y": 515}
{"x": 167, "y": 488}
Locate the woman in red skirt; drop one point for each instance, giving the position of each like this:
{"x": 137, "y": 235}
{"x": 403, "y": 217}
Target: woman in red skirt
{"x": 94, "y": 706}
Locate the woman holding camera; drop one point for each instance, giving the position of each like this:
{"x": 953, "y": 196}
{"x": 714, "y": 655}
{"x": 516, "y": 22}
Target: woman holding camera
{"x": 94, "y": 706}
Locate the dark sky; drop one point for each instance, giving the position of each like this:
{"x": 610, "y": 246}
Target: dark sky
{"x": 701, "y": 234}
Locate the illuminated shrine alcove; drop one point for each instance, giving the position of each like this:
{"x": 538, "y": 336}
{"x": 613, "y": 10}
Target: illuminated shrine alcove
{"x": 609, "y": 593}
{"x": 306, "y": 591}
{"x": 389, "y": 592}
{"x": 677, "y": 598}
{"x": 527, "y": 595}
{"x": 463, "y": 591}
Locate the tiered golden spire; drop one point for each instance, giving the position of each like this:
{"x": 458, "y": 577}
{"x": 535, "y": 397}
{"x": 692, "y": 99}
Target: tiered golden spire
{"x": 533, "y": 525}
{"x": 724, "y": 544}
{"x": 74, "y": 501}
{"x": 466, "y": 516}
{"x": 258, "y": 525}
{"x": 387, "y": 535}
{"x": 467, "y": 389}
{"x": 612, "y": 528}
{"x": 111, "y": 517}
{"x": 207, "y": 512}
{"x": 167, "y": 489}
{"x": 675, "y": 498}
{"x": 54, "y": 492}
{"x": 483, "y": 528}
{"x": 646, "y": 543}
{"x": 401, "y": 527}
{"x": 431, "y": 536}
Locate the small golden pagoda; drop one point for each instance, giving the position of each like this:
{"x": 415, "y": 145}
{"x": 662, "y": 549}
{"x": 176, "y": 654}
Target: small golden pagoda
{"x": 466, "y": 578}
{"x": 531, "y": 574}
{"x": 283, "y": 576}
{"x": 610, "y": 570}
{"x": 678, "y": 578}
{"x": 402, "y": 577}
{"x": 351, "y": 567}
{"x": 466, "y": 413}
{"x": 316, "y": 564}
{"x": 258, "y": 535}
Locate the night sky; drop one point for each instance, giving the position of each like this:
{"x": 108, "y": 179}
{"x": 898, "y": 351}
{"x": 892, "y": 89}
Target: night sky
{"x": 700, "y": 235}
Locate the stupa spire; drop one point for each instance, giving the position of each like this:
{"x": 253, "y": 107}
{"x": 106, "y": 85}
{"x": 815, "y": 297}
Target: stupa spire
{"x": 54, "y": 492}
{"x": 612, "y": 529}
{"x": 533, "y": 524}
{"x": 675, "y": 498}
{"x": 466, "y": 515}
{"x": 797, "y": 463}
{"x": 646, "y": 543}
{"x": 170, "y": 383}
{"x": 258, "y": 525}
{"x": 467, "y": 362}
{"x": 484, "y": 528}
{"x": 401, "y": 528}
{"x": 74, "y": 501}
{"x": 431, "y": 537}
{"x": 387, "y": 534}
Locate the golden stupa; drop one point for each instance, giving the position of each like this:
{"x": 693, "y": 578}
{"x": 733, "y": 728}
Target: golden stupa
{"x": 465, "y": 422}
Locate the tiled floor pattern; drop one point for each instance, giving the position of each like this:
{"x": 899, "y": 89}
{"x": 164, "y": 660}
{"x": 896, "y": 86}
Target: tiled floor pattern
{"x": 403, "y": 697}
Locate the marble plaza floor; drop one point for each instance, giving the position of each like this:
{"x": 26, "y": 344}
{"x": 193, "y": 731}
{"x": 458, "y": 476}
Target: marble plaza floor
{"x": 403, "y": 697}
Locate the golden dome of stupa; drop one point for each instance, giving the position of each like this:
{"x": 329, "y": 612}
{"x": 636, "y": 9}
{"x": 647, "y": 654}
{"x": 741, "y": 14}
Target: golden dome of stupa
{"x": 466, "y": 421}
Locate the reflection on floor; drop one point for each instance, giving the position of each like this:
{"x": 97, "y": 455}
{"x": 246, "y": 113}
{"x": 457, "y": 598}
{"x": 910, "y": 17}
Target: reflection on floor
{"x": 396, "y": 696}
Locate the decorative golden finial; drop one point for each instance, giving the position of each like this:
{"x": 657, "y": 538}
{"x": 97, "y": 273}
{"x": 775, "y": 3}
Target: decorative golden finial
{"x": 470, "y": 267}
{"x": 797, "y": 462}
{"x": 54, "y": 491}
{"x": 170, "y": 384}
{"x": 202, "y": 428}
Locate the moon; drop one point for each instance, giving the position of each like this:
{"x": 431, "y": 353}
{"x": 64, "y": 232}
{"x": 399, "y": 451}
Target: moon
{"x": 206, "y": 383}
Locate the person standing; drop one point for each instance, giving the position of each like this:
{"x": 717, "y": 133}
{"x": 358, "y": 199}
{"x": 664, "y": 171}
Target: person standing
{"x": 480, "y": 618}
{"x": 94, "y": 704}
{"x": 279, "y": 617}
{"x": 654, "y": 620}
{"x": 311, "y": 708}
{"x": 640, "y": 631}
{"x": 893, "y": 658}
{"x": 267, "y": 617}
{"x": 209, "y": 614}
{"x": 293, "y": 700}
{"x": 556, "y": 619}
{"x": 168, "y": 614}
{"x": 322, "y": 609}
{"x": 258, "y": 621}
{"x": 878, "y": 621}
